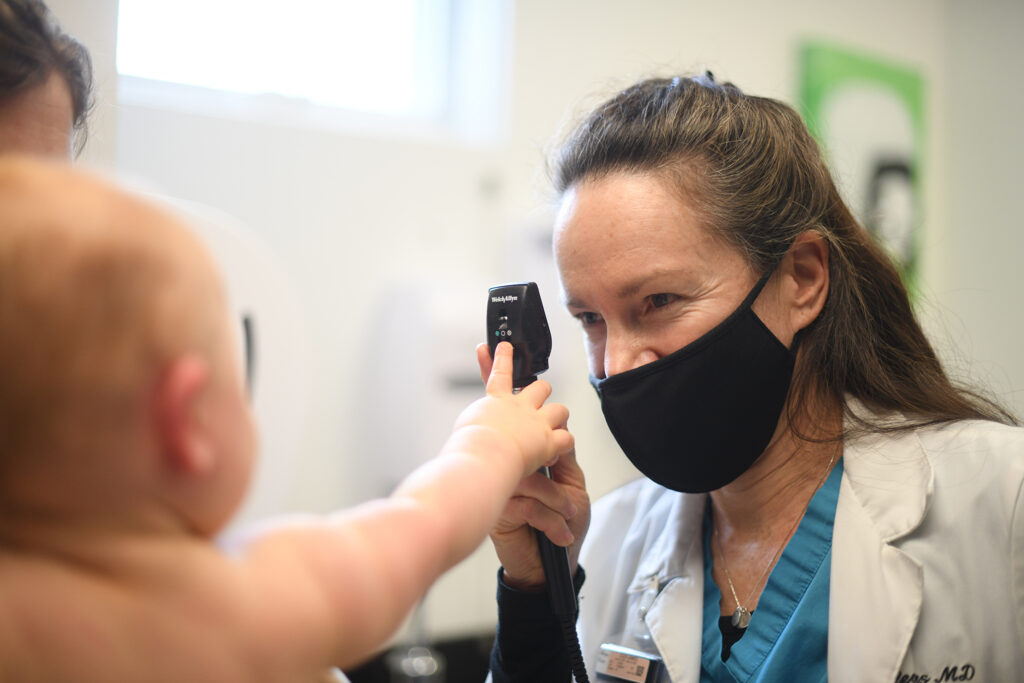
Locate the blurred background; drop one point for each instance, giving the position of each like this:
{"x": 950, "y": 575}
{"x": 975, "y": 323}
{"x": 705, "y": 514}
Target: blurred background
{"x": 369, "y": 169}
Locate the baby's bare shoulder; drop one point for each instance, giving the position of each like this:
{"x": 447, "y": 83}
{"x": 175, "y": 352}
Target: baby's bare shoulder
{"x": 178, "y": 613}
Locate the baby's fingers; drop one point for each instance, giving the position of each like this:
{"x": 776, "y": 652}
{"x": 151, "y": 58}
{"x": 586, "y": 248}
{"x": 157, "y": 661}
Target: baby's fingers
{"x": 536, "y": 393}
{"x": 499, "y": 382}
{"x": 564, "y": 441}
{"x": 555, "y": 414}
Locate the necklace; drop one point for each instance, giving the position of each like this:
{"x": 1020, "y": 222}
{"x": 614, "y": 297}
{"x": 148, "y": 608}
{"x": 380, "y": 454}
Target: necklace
{"x": 741, "y": 617}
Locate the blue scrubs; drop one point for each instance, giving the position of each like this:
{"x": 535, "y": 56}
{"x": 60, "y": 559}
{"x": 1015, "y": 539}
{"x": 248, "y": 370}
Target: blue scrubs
{"x": 787, "y": 639}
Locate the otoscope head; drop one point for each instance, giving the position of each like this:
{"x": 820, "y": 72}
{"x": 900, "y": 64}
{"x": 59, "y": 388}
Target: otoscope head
{"x": 515, "y": 314}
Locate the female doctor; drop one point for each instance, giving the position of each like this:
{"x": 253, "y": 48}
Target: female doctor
{"x": 820, "y": 501}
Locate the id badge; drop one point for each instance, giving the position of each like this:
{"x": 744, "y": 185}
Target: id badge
{"x": 618, "y": 663}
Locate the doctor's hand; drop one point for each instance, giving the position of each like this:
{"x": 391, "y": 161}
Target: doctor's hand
{"x": 559, "y": 507}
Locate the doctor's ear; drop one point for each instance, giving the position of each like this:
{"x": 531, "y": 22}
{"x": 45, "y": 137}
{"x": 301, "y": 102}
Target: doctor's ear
{"x": 805, "y": 278}
{"x": 182, "y": 432}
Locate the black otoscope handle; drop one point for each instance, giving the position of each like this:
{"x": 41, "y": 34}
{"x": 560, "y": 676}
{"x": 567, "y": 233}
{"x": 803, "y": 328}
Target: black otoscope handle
{"x": 557, "y": 572}
{"x": 562, "y": 595}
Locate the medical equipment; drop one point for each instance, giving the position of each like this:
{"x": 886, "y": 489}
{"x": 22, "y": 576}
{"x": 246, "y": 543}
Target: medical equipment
{"x": 515, "y": 314}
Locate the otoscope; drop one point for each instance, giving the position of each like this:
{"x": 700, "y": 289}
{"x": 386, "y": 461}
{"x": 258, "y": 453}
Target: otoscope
{"x": 515, "y": 314}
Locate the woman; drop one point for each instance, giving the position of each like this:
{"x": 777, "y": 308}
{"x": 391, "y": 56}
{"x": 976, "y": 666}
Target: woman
{"x": 45, "y": 83}
{"x": 820, "y": 501}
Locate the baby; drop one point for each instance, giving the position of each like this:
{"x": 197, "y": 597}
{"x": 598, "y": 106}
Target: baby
{"x": 126, "y": 444}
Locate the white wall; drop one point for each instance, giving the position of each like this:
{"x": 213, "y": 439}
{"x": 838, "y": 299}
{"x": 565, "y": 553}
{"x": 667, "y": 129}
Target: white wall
{"x": 350, "y": 216}
{"x": 979, "y": 287}
{"x": 94, "y": 23}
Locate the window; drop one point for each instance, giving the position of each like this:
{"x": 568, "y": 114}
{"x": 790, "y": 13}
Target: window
{"x": 389, "y": 59}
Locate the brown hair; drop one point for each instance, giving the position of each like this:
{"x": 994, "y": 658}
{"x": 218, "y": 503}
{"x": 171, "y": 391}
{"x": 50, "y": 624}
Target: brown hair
{"x": 753, "y": 171}
{"x": 32, "y": 46}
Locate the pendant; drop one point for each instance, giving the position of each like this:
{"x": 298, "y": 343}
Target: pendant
{"x": 741, "y": 617}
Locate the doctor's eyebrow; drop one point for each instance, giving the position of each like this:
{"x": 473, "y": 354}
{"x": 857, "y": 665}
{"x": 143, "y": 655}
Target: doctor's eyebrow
{"x": 629, "y": 289}
{"x": 571, "y": 302}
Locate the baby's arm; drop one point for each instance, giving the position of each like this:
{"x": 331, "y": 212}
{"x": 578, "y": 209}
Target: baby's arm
{"x": 339, "y": 587}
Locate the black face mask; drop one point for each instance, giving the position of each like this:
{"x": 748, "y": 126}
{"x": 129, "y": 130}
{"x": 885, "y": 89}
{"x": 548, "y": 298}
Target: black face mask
{"x": 698, "y": 418}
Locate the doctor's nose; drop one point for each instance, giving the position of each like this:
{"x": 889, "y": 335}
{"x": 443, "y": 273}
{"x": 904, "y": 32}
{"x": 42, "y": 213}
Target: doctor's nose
{"x": 622, "y": 354}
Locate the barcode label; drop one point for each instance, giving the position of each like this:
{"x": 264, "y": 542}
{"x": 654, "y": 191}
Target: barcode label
{"x": 623, "y": 667}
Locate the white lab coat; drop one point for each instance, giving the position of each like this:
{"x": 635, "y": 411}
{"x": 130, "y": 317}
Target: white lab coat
{"x": 927, "y": 572}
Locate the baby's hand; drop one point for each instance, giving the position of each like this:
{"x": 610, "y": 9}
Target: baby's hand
{"x": 537, "y": 431}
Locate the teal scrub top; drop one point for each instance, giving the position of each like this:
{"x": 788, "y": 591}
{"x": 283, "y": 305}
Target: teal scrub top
{"x": 787, "y": 638}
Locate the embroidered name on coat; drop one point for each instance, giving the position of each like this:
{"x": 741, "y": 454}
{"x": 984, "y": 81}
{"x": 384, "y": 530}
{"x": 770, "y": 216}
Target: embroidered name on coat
{"x": 960, "y": 672}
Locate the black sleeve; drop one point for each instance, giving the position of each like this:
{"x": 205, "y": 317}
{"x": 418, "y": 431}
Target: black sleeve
{"x": 529, "y": 646}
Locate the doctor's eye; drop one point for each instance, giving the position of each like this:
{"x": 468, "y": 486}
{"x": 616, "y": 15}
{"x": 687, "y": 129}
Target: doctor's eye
{"x": 588, "y": 318}
{"x": 660, "y": 300}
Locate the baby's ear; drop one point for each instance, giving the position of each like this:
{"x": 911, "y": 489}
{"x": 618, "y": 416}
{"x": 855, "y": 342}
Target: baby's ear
{"x": 182, "y": 431}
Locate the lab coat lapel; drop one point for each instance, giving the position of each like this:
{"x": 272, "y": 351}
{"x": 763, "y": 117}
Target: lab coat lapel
{"x": 676, "y": 617}
{"x": 876, "y": 589}
{"x": 676, "y": 621}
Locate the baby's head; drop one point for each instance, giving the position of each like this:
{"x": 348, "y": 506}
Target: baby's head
{"x": 120, "y": 386}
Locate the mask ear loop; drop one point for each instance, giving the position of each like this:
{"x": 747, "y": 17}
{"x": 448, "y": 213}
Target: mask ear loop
{"x": 756, "y": 292}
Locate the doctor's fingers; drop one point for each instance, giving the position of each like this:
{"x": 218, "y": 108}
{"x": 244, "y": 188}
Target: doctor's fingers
{"x": 539, "y": 516}
{"x": 567, "y": 470}
{"x": 544, "y": 493}
{"x": 484, "y": 360}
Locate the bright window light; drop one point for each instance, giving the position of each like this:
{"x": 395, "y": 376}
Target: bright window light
{"x": 383, "y": 56}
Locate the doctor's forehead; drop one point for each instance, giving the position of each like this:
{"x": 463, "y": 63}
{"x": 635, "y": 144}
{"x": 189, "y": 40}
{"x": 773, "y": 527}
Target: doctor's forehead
{"x": 625, "y": 211}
